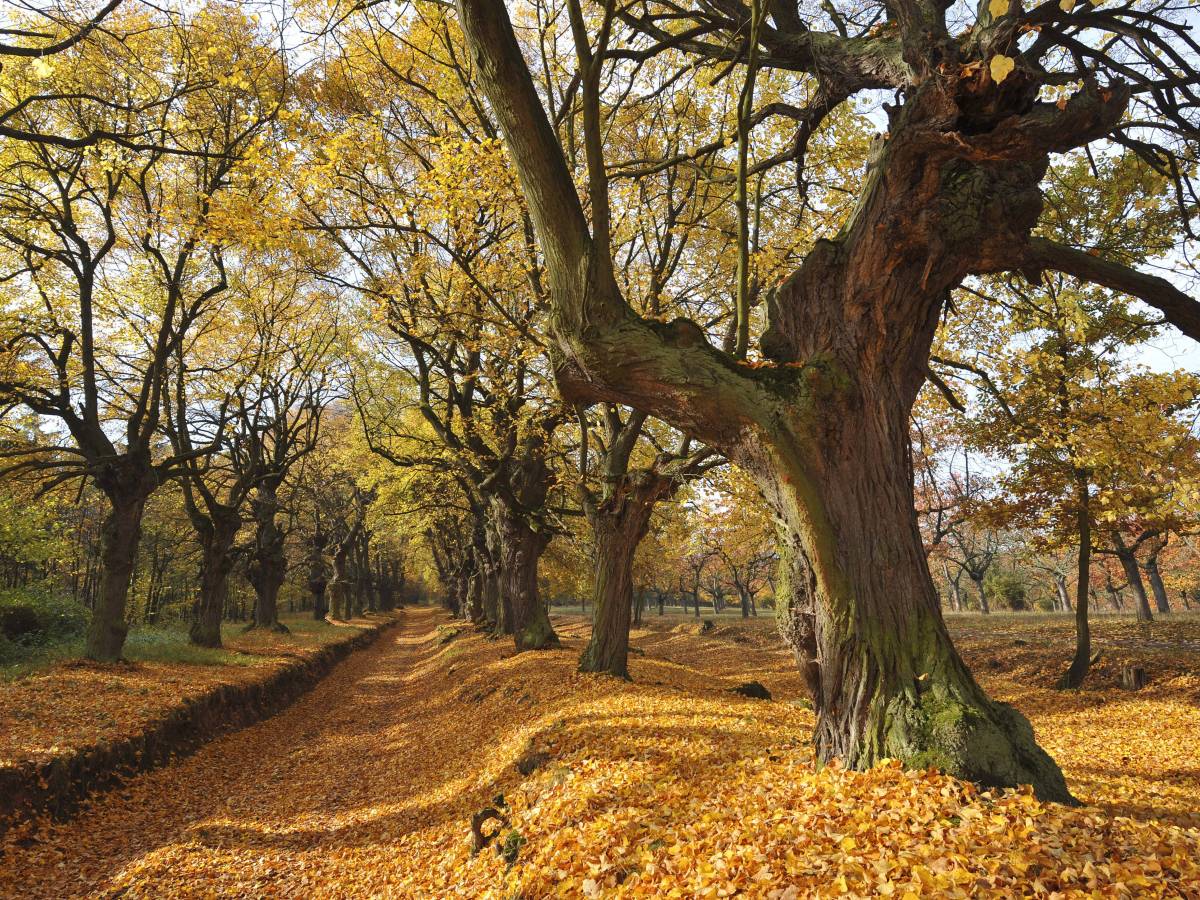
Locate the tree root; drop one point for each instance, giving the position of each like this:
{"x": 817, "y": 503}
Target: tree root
{"x": 479, "y": 840}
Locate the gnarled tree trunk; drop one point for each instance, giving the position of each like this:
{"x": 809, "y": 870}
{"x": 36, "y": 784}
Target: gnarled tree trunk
{"x": 863, "y": 615}
{"x": 268, "y": 562}
{"x": 520, "y": 546}
{"x": 823, "y": 427}
{"x": 216, "y": 562}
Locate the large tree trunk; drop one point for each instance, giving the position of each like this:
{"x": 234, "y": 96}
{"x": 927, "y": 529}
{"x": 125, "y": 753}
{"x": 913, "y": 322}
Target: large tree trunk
{"x": 1161, "y": 602}
{"x": 1133, "y": 574}
{"x": 823, "y": 426}
{"x": 864, "y": 617}
{"x": 520, "y": 547}
{"x": 1074, "y": 676}
{"x": 268, "y": 564}
{"x": 119, "y": 536}
{"x": 618, "y": 526}
{"x": 983, "y": 597}
{"x": 216, "y": 562}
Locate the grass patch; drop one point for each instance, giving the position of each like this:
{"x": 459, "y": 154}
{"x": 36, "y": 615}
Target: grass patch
{"x": 170, "y": 645}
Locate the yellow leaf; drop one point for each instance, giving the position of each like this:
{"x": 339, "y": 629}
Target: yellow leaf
{"x": 1000, "y": 67}
{"x": 1066, "y": 5}
{"x": 997, "y": 8}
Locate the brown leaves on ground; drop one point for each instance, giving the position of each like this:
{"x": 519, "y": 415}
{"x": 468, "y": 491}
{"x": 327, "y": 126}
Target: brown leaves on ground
{"x": 665, "y": 787}
{"x": 78, "y": 704}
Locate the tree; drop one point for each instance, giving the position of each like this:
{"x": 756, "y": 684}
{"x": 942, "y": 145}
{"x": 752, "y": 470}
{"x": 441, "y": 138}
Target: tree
{"x": 619, "y": 513}
{"x": 1097, "y": 447}
{"x": 118, "y": 258}
{"x": 952, "y": 190}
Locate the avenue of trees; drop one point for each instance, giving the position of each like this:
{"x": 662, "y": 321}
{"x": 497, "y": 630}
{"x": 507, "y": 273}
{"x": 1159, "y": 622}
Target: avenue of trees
{"x": 846, "y": 314}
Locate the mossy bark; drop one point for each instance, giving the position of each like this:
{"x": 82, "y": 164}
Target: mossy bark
{"x": 520, "y": 546}
{"x": 864, "y": 619}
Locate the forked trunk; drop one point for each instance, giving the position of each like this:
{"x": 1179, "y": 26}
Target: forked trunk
{"x": 119, "y": 536}
{"x": 521, "y": 546}
{"x": 1161, "y": 602}
{"x": 1133, "y": 574}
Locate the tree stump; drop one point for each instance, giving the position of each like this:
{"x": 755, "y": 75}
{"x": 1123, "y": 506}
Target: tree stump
{"x": 754, "y": 690}
{"x": 1133, "y": 678}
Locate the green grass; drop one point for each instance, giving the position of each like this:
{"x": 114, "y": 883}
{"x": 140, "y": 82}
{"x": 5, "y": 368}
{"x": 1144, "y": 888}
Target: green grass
{"x": 169, "y": 644}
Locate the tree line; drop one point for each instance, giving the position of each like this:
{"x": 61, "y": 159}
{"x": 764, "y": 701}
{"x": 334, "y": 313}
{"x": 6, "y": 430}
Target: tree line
{"x": 566, "y": 275}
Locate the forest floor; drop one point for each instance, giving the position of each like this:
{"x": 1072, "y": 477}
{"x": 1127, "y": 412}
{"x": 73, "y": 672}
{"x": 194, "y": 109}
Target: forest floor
{"x": 666, "y": 786}
{"x": 60, "y": 705}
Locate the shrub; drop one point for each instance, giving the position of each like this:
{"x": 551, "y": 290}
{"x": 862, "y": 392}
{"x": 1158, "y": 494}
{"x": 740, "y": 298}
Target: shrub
{"x": 38, "y": 616}
{"x": 1007, "y": 589}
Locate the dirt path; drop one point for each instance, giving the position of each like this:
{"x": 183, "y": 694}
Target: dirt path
{"x": 270, "y": 809}
{"x": 365, "y": 786}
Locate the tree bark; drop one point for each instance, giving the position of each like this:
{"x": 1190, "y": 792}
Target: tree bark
{"x": 619, "y": 521}
{"x": 1161, "y": 601}
{"x": 119, "y": 542}
{"x": 864, "y": 617}
{"x": 1078, "y": 670}
{"x": 268, "y": 564}
{"x": 618, "y": 526}
{"x": 1133, "y": 574}
{"x": 520, "y": 547}
{"x": 216, "y": 562}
